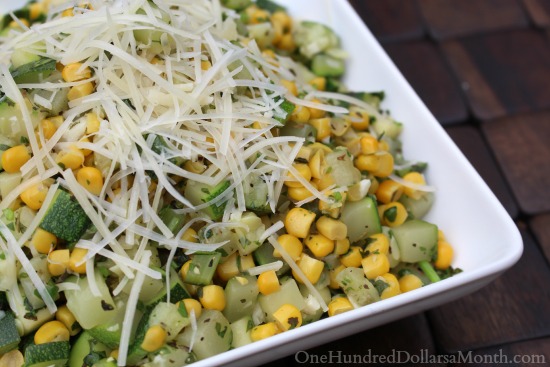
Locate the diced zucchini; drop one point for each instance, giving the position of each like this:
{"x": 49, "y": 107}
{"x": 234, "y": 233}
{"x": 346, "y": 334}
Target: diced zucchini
{"x": 106, "y": 362}
{"x": 313, "y": 310}
{"x": 65, "y": 218}
{"x": 249, "y": 238}
{"x": 55, "y": 354}
{"x": 198, "y": 193}
{"x": 305, "y": 131}
{"x": 288, "y": 293}
{"x": 241, "y": 293}
{"x": 90, "y": 310}
{"x": 12, "y": 124}
{"x": 361, "y": 218}
{"x": 86, "y": 350}
{"x": 287, "y": 108}
{"x": 236, "y": 4}
{"x": 34, "y": 71}
{"x": 160, "y": 146}
{"x": 213, "y": 336}
{"x": 60, "y": 102}
{"x": 9, "y": 338}
{"x": 357, "y": 287}
{"x": 394, "y": 255}
{"x": 241, "y": 331}
{"x": 387, "y": 126}
{"x": 109, "y": 333}
{"x": 340, "y": 167}
{"x": 313, "y": 38}
{"x": 256, "y": 195}
{"x": 270, "y": 6}
{"x": 372, "y": 98}
{"x": 177, "y": 292}
{"x": 171, "y": 317}
{"x": 202, "y": 268}
{"x": 417, "y": 240}
{"x": 327, "y": 66}
{"x": 218, "y": 235}
{"x": 264, "y": 255}
{"x": 171, "y": 356}
{"x": 8, "y": 270}
{"x": 8, "y": 182}
{"x": 263, "y": 33}
{"x": 418, "y": 208}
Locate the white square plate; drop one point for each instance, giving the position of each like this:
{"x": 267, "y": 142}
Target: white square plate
{"x": 485, "y": 239}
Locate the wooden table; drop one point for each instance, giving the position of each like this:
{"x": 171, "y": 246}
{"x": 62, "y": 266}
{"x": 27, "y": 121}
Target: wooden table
{"x": 483, "y": 69}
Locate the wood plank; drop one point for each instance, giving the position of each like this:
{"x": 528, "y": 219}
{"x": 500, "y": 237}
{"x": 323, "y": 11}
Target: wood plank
{"x": 391, "y": 20}
{"x": 540, "y": 225}
{"x": 520, "y": 145}
{"x": 440, "y": 91}
{"x": 450, "y": 18}
{"x": 514, "y": 307}
{"x": 539, "y": 12}
{"x": 502, "y": 73}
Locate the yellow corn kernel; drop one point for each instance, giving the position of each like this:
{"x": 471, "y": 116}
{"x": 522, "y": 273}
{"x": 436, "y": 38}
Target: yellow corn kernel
{"x": 184, "y": 269}
{"x": 194, "y": 167}
{"x": 34, "y": 196}
{"x": 394, "y": 214}
{"x": 76, "y": 257}
{"x": 359, "y": 118}
{"x": 15, "y": 25}
{"x": 299, "y": 193}
{"x": 288, "y": 317}
{"x": 317, "y": 164}
{"x": 383, "y": 145}
{"x": 212, "y": 297}
{"x": 319, "y": 83}
{"x": 264, "y": 331}
{"x": 114, "y": 354}
{"x": 68, "y": 13}
{"x": 257, "y": 16}
{"x": 190, "y": 235}
{"x": 92, "y": 123}
{"x": 52, "y": 331}
{"x": 85, "y": 151}
{"x": 385, "y": 165}
{"x": 374, "y": 184}
{"x": 205, "y": 65}
{"x": 339, "y": 305}
{"x": 13, "y": 358}
{"x": 268, "y": 282}
{"x": 319, "y": 245}
{"x": 332, "y": 228}
{"x": 72, "y": 158}
{"x": 311, "y": 267}
{"x": 14, "y": 158}
{"x": 317, "y": 113}
{"x": 444, "y": 255}
{"x": 332, "y": 274}
{"x": 80, "y": 91}
{"x": 58, "y": 262}
{"x": 43, "y": 241}
{"x": 283, "y": 19}
{"x": 229, "y": 268}
{"x": 367, "y": 162}
{"x": 320, "y": 146}
{"x": 290, "y": 86}
{"x": 287, "y": 42}
{"x": 393, "y": 286}
{"x": 341, "y": 246}
{"x": 324, "y": 182}
{"x": 338, "y": 200}
{"x": 368, "y": 144}
{"x": 75, "y": 72}
{"x": 352, "y": 258}
{"x": 303, "y": 171}
{"x": 48, "y": 128}
{"x": 66, "y": 317}
{"x": 415, "y": 178}
{"x": 440, "y": 235}
{"x": 91, "y": 179}
{"x": 389, "y": 191}
{"x": 35, "y": 10}
{"x": 192, "y": 304}
{"x": 154, "y": 339}
{"x": 291, "y": 244}
{"x": 304, "y": 153}
{"x": 378, "y": 244}
{"x": 245, "y": 262}
{"x": 409, "y": 282}
{"x": 322, "y": 125}
{"x": 298, "y": 222}
{"x": 375, "y": 265}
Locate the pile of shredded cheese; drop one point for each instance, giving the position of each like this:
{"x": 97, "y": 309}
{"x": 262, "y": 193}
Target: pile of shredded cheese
{"x": 205, "y": 115}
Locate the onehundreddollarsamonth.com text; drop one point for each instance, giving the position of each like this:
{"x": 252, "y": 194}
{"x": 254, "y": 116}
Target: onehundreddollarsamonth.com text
{"x": 423, "y": 356}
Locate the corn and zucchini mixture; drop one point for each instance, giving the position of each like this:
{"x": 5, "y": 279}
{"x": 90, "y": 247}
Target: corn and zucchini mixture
{"x": 179, "y": 178}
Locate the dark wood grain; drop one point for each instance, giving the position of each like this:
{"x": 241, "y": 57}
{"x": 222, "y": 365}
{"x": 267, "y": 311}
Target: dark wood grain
{"x": 410, "y": 336}
{"x": 504, "y": 73}
{"x": 451, "y": 18}
{"x": 540, "y": 225}
{"x": 512, "y": 308}
{"x": 470, "y": 140}
{"x": 528, "y": 353}
{"x": 440, "y": 92}
{"x": 391, "y": 20}
{"x": 539, "y": 12}
{"x": 521, "y": 146}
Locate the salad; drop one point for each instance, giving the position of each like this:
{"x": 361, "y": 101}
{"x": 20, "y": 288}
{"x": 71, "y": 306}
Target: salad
{"x": 180, "y": 178}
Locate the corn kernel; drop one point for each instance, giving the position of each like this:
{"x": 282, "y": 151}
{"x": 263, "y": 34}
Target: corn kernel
{"x": 291, "y": 244}
{"x": 331, "y": 228}
{"x": 311, "y": 267}
{"x": 341, "y": 246}
{"x": 409, "y": 282}
{"x": 14, "y": 158}
{"x": 229, "y": 268}
{"x": 264, "y": 331}
{"x": 394, "y": 214}
{"x": 359, "y": 118}
{"x": 393, "y": 286}
{"x": 339, "y": 305}
{"x": 299, "y": 193}
{"x": 319, "y": 245}
{"x": 154, "y": 339}
{"x": 319, "y": 83}
{"x": 66, "y": 317}
{"x": 80, "y": 91}
{"x": 315, "y": 112}
{"x": 332, "y": 274}
{"x": 288, "y": 317}
{"x": 322, "y": 125}
{"x": 192, "y": 304}
{"x": 77, "y": 255}
{"x": 91, "y": 179}
{"x": 34, "y": 196}
{"x": 268, "y": 282}
{"x": 375, "y": 265}
{"x": 92, "y": 123}
{"x": 444, "y": 255}
{"x": 75, "y": 72}
{"x": 298, "y": 222}
{"x": 368, "y": 144}
{"x": 378, "y": 244}
{"x": 415, "y": 178}
{"x": 48, "y": 128}
{"x": 352, "y": 258}
{"x": 72, "y": 158}
{"x": 389, "y": 191}
{"x": 290, "y": 86}
{"x": 385, "y": 165}
{"x": 58, "y": 262}
{"x": 212, "y": 297}
{"x": 317, "y": 164}
{"x": 52, "y": 331}
{"x": 304, "y": 172}
{"x": 368, "y": 163}
{"x": 43, "y": 241}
